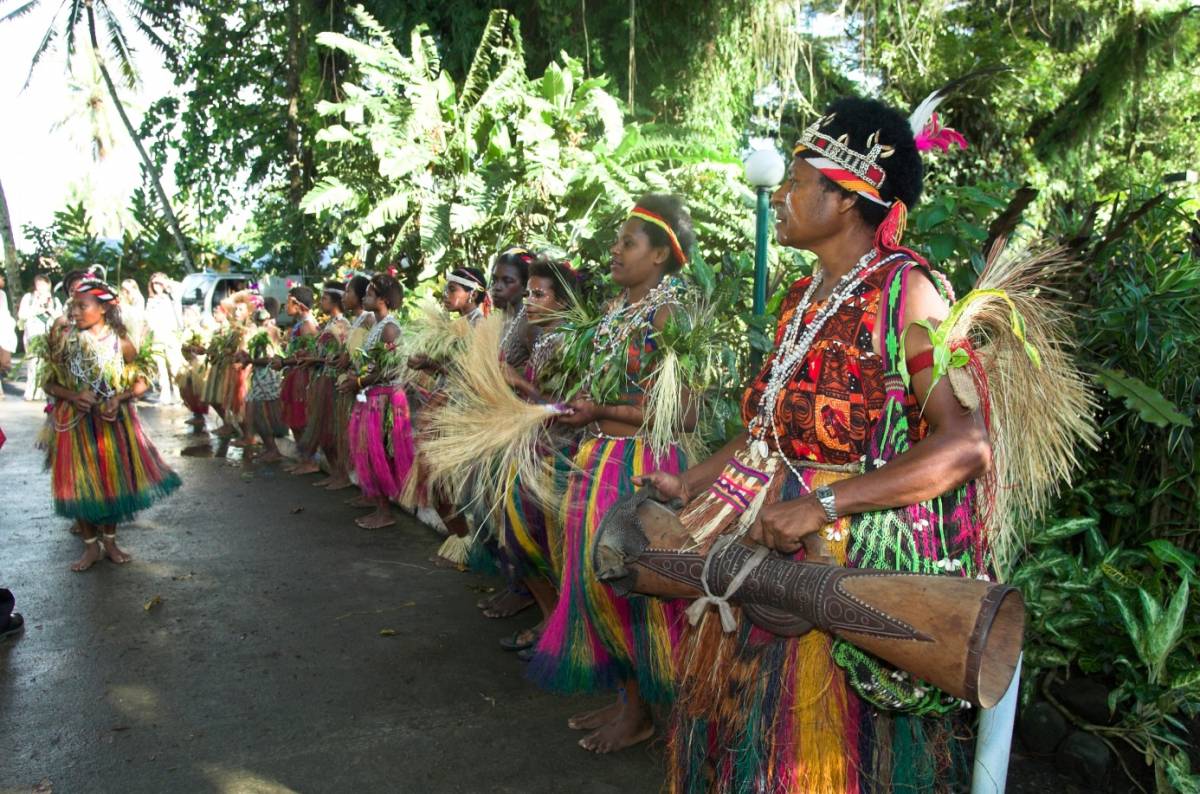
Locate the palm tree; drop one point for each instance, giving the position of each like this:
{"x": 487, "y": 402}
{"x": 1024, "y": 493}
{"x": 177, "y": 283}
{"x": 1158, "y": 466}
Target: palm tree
{"x": 12, "y": 269}
{"x": 143, "y": 16}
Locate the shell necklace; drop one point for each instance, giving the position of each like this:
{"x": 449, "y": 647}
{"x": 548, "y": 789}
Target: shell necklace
{"x": 94, "y": 362}
{"x": 618, "y": 323}
{"x": 794, "y": 347}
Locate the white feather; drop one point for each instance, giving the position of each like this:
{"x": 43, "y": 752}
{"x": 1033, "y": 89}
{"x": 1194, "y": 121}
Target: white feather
{"x": 922, "y": 113}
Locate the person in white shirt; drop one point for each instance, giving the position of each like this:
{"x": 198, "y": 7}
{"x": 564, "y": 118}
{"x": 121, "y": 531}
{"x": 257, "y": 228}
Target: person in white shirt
{"x": 36, "y": 314}
{"x": 165, "y": 322}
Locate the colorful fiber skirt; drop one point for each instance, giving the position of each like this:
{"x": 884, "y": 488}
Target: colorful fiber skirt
{"x": 530, "y": 542}
{"x": 596, "y": 639}
{"x": 343, "y": 406}
{"x": 265, "y": 418}
{"x": 237, "y": 384}
{"x": 214, "y": 382}
{"x": 294, "y": 396}
{"x": 191, "y": 388}
{"x": 757, "y": 712}
{"x": 318, "y": 432}
{"x": 104, "y": 472}
{"x": 381, "y": 442}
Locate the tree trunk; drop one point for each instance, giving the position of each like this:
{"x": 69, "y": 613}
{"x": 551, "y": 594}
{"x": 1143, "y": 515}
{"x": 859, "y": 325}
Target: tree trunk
{"x": 12, "y": 269}
{"x": 155, "y": 180}
{"x": 295, "y": 156}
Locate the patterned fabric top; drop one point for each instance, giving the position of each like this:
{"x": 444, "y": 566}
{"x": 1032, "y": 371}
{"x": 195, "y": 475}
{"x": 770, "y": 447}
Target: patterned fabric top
{"x": 829, "y": 408}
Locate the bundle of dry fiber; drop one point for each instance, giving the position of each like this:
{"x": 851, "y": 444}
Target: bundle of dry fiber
{"x": 473, "y": 442}
{"x": 1038, "y": 404}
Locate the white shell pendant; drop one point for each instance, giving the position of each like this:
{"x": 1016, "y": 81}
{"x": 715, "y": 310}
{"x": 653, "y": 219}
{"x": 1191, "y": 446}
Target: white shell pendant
{"x": 761, "y": 449}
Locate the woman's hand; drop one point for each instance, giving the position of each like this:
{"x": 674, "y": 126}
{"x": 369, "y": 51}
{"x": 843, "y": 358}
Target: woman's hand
{"x": 342, "y": 362}
{"x": 84, "y": 400}
{"x": 348, "y": 385}
{"x": 276, "y": 363}
{"x": 784, "y": 525}
{"x": 109, "y": 408}
{"x": 669, "y": 486}
{"x": 583, "y": 413}
{"x": 420, "y": 362}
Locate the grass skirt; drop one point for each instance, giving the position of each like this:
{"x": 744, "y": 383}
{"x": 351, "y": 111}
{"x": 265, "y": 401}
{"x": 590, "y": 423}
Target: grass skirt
{"x": 233, "y": 391}
{"x": 530, "y": 542}
{"x": 191, "y": 383}
{"x": 265, "y": 418}
{"x": 318, "y": 432}
{"x": 214, "y": 382}
{"x": 381, "y": 442}
{"x": 343, "y": 406}
{"x": 104, "y": 472}
{"x": 294, "y": 396}
{"x": 595, "y": 639}
{"x": 756, "y": 712}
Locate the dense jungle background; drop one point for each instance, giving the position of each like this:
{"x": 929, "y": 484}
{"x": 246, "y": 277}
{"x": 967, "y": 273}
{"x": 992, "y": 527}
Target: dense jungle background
{"x": 307, "y": 135}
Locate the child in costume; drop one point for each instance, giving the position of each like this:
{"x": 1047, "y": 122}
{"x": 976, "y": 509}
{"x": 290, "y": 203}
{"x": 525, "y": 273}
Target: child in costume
{"x": 264, "y": 413}
{"x": 381, "y": 436}
{"x": 596, "y": 639}
{"x": 215, "y": 353}
{"x": 301, "y": 339}
{"x": 361, "y": 323}
{"x": 190, "y": 378}
{"x": 104, "y": 470}
{"x": 319, "y": 434}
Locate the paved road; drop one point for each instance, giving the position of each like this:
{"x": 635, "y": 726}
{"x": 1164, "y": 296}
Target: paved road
{"x": 263, "y": 668}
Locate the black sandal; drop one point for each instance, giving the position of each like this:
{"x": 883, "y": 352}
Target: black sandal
{"x": 515, "y": 643}
{"x": 15, "y": 624}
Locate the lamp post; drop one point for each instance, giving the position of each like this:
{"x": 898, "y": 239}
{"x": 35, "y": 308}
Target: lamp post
{"x": 764, "y": 170}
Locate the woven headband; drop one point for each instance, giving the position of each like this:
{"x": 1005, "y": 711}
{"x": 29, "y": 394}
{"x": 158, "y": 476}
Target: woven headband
{"x": 646, "y": 216}
{"x": 465, "y": 282}
{"x": 97, "y": 289}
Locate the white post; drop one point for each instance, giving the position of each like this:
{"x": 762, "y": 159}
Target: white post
{"x": 994, "y": 744}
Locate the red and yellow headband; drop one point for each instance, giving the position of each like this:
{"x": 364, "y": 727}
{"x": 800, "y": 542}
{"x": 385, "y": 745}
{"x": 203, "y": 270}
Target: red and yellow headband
{"x": 646, "y": 216}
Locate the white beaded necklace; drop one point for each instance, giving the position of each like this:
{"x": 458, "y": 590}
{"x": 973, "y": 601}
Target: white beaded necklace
{"x": 618, "y": 323}
{"x": 794, "y": 347}
{"x": 93, "y": 362}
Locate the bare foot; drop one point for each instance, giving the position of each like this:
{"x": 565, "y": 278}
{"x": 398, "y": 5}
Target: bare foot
{"x": 270, "y": 457}
{"x": 377, "y": 520}
{"x": 114, "y": 553}
{"x": 359, "y": 501}
{"x": 323, "y": 482}
{"x": 309, "y": 467}
{"x": 224, "y": 431}
{"x": 241, "y": 442}
{"x": 338, "y": 484}
{"x": 91, "y": 555}
{"x": 597, "y": 718}
{"x": 633, "y": 725}
{"x": 508, "y": 604}
{"x": 76, "y": 529}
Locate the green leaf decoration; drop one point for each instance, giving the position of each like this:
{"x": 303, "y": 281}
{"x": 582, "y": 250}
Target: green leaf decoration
{"x": 1143, "y": 399}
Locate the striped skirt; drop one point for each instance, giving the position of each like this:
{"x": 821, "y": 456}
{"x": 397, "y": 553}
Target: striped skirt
{"x": 596, "y": 639}
{"x": 104, "y": 472}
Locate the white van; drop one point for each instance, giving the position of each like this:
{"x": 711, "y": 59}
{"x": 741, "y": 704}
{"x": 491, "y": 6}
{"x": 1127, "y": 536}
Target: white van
{"x": 207, "y": 289}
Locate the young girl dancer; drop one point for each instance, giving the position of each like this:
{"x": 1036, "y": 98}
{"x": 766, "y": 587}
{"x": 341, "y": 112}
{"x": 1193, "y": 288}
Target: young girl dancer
{"x": 381, "y": 441}
{"x": 264, "y": 413}
{"x": 103, "y": 467}
{"x": 361, "y": 322}
{"x": 319, "y": 435}
{"x": 294, "y": 390}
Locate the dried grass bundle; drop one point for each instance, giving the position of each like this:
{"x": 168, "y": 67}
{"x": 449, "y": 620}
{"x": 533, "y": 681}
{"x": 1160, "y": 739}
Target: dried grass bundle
{"x": 434, "y": 332}
{"x": 1040, "y": 406}
{"x": 473, "y": 442}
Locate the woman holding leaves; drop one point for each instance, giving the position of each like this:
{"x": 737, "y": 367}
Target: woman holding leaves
{"x": 595, "y": 639}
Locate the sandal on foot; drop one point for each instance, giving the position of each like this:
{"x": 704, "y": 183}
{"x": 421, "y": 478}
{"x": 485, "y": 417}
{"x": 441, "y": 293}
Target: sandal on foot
{"x": 519, "y": 640}
{"x": 15, "y": 624}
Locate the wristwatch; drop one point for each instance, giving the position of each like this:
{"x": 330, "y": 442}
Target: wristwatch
{"x": 825, "y": 496}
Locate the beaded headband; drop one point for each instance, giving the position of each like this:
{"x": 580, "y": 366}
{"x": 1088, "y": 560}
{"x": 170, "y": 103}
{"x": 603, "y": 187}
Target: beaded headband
{"x": 854, "y": 171}
{"x": 96, "y": 288}
{"x": 646, "y": 216}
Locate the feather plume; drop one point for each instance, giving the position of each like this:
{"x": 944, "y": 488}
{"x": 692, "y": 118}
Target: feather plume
{"x": 922, "y": 114}
{"x": 483, "y": 433}
{"x": 1038, "y": 405}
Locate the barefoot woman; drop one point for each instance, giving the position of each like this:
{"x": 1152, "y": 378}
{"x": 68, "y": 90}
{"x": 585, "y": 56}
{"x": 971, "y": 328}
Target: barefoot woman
{"x": 594, "y": 638}
{"x": 103, "y": 468}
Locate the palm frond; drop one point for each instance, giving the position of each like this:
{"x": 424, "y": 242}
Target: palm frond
{"x": 20, "y": 11}
{"x": 44, "y": 45}
{"x": 491, "y": 45}
{"x": 118, "y": 44}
